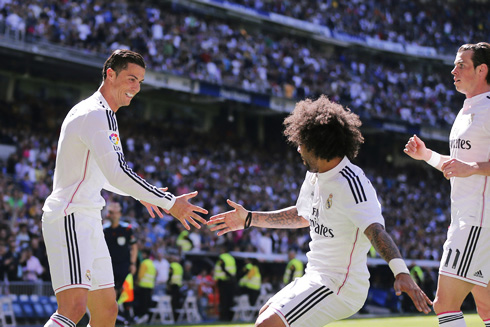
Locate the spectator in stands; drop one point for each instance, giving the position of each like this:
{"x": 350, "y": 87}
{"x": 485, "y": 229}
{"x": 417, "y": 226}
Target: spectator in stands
{"x": 340, "y": 206}
{"x": 89, "y": 158}
{"x": 145, "y": 283}
{"x": 31, "y": 266}
{"x": 123, "y": 249}
{"x": 250, "y": 280}
{"x": 294, "y": 268}
{"x": 175, "y": 283}
{"x": 225, "y": 270}
{"x": 162, "y": 267}
{"x": 465, "y": 264}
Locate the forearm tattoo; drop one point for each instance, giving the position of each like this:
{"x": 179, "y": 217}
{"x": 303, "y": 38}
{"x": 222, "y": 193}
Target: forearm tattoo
{"x": 279, "y": 219}
{"x": 382, "y": 242}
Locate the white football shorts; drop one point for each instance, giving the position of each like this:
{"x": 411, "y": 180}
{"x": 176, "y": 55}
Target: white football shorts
{"x": 305, "y": 302}
{"x": 467, "y": 254}
{"x": 77, "y": 252}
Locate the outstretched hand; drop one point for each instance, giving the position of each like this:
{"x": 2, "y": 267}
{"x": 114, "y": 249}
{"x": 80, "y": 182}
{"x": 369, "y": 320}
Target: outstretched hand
{"x": 229, "y": 221}
{"x": 405, "y": 283}
{"x": 186, "y": 212}
{"x": 151, "y": 208}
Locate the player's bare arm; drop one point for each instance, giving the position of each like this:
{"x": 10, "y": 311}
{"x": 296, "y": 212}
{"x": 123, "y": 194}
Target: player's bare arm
{"x": 416, "y": 149}
{"x": 235, "y": 219}
{"x": 458, "y": 168}
{"x": 382, "y": 242}
{"x": 387, "y": 249}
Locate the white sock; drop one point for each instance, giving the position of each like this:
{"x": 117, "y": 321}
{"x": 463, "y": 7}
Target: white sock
{"x": 451, "y": 319}
{"x": 487, "y": 323}
{"x": 57, "y": 320}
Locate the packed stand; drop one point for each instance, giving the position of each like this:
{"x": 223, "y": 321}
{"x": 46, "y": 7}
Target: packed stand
{"x": 443, "y": 25}
{"x": 415, "y": 208}
{"x": 224, "y": 52}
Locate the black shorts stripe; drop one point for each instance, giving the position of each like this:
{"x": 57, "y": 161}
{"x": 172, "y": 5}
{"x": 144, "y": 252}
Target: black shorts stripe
{"x": 309, "y": 302}
{"x": 73, "y": 251}
{"x": 469, "y": 251}
{"x": 355, "y": 185}
{"x": 141, "y": 181}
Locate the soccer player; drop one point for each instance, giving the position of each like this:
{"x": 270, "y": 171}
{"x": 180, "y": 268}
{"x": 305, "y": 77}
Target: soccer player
{"x": 90, "y": 157}
{"x": 339, "y": 205}
{"x": 465, "y": 264}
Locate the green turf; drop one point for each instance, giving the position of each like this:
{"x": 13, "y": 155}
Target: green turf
{"x": 472, "y": 320}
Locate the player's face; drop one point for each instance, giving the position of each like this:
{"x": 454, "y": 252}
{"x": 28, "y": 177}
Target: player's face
{"x": 465, "y": 74}
{"x": 126, "y": 85}
{"x": 309, "y": 160}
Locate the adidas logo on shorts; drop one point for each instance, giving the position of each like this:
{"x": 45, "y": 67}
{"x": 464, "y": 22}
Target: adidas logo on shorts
{"x": 478, "y": 274}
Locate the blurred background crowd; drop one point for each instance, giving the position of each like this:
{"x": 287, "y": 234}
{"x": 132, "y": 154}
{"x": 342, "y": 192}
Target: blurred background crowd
{"x": 190, "y": 42}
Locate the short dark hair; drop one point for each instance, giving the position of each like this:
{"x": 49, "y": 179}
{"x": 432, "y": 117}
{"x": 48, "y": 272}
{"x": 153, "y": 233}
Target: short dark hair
{"x": 325, "y": 128}
{"x": 481, "y": 54}
{"x": 120, "y": 59}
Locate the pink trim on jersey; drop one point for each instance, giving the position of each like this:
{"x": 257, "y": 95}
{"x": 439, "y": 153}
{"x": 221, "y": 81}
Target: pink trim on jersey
{"x": 56, "y": 322}
{"x": 483, "y": 196}
{"x": 106, "y": 285}
{"x": 84, "y": 174}
{"x": 350, "y": 262}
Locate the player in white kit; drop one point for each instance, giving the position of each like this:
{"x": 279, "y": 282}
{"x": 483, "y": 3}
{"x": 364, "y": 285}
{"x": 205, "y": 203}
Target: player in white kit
{"x": 465, "y": 264}
{"x": 339, "y": 205}
{"x": 89, "y": 158}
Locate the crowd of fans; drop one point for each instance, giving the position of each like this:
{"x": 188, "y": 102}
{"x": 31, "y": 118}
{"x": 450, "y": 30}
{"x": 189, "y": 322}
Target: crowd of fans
{"x": 192, "y": 44}
{"x": 415, "y": 205}
{"x": 443, "y": 25}
{"x": 229, "y": 52}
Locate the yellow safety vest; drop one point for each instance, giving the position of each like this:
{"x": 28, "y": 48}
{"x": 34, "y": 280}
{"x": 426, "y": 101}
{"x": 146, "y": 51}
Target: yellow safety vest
{"x": 230, "y": 266}
{"x": 252, "y": 278}
{"x": 147, "y": 274}
{"x": 177, "y": 274}
{"x": 183, "y": 242}
{"x": 298, "y": 270}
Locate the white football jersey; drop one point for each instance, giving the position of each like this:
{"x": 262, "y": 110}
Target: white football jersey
{"x": 90, "y": 157}
{"x": 339, "y": 204}
{"x": 469, "y": 141}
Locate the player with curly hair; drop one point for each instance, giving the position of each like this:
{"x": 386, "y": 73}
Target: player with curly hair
{"x": 339, "y": 205}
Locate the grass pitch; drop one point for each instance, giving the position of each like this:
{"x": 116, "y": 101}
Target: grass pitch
{"x": 472, "y": 320}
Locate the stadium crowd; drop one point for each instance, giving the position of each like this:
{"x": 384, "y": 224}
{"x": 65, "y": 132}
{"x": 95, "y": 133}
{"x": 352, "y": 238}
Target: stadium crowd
{"x": 415, "y": 208}
{"x": 434, "y": 24}
{"x": 232, "y": 53}
{"x": 192, "y": 44}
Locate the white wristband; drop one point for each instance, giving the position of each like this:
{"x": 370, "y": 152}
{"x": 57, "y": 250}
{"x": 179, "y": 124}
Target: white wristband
{"x": 398, "y": 266}
{"x": 434, "y": 159}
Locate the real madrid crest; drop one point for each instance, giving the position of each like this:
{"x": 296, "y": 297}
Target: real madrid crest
{"x": 328, "y": 204}
{"x": 88, "y": 275}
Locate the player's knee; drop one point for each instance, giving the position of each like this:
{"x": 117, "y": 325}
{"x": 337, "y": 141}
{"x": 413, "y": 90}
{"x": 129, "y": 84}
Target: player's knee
{"x": 105, "y": 316}
{"x": 269, "y": 319}
{"x": 73, "y": 310}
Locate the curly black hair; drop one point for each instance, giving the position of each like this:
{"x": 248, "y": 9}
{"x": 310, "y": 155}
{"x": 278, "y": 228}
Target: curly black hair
{"x": 325, "y": 128}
